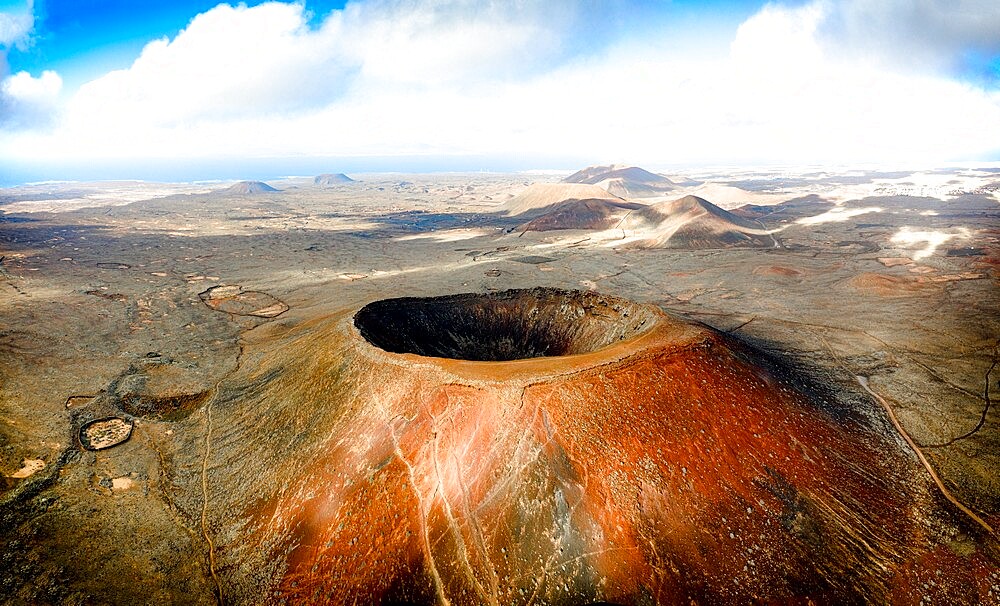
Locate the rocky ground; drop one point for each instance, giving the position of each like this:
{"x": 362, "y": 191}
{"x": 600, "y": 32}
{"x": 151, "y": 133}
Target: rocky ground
{"x": 131, "y": 330}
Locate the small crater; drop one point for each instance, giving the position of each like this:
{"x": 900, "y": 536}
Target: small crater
{"x": 234, "y": 300}
{"x": 105, "y": 433}
{"x": 167, "y": 408}
{"x": 533, "y": 259}
{"x": 118, "y": 297}
{"x": 155, "y": 387}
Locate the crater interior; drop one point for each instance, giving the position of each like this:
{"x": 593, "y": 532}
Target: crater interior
{"x": 502, "y": 326}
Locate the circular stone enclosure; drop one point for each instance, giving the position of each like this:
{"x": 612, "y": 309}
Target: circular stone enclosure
{"x": 502, "y": 326}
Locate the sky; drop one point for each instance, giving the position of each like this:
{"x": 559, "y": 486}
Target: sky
{"x": 193, "y": 89}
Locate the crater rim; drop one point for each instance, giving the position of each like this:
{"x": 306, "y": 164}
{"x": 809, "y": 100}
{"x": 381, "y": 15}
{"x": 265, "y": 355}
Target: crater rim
{"x": 509, "y": 326}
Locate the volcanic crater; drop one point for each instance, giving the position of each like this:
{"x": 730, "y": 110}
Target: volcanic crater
{"x": 510, "y": 325}
{"x": 561, "y": 447}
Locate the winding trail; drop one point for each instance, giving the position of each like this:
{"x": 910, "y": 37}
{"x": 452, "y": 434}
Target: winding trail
{"x": 204, "y": 496}
{"x": 982, "y": 417}
{"x": 219, "y": 596}
{"x": 863, "y": 381}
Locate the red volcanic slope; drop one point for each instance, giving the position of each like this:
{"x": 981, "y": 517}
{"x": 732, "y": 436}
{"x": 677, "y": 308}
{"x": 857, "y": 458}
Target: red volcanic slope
{"x": 668, "y": 467}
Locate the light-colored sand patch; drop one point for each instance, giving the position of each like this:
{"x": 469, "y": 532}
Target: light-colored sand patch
{"x": 29, "y": 467}
{"x": 838, "y": 214}
{"x": 253, "y": 226}
{"x": 115, "y": 195}
{"x": 448, "y": 235}
{"x": 59, "y": 206}
{"x": 79, "y": 401}
{"x": 932, "y": 185}
{"x": 376, "y": 274}
{"x": 121, "y": 484}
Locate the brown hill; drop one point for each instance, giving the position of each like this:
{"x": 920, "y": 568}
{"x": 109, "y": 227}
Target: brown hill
{"x": 244, "y": 188}
{"x": 582, "y": 214}
{"x": 542, "y": 197}
{"x": 690, "y": 222}
{"x": 624, "y": 188}
{"x": 593, "y": 175}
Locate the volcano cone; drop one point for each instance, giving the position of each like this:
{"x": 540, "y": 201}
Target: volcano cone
{"x": 563, "y": 447}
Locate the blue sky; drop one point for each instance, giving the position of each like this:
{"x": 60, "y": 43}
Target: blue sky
{"x": 110, "y": 83}
{"x": 82, "y": 39}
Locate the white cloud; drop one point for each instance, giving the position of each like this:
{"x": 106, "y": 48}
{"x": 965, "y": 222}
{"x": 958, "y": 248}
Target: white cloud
{"x": 233, "y": 62}
{"x": 16, "y": 25}
{"x": 26, "y": 101}
{"x": 778, "y": 41}
{"x": 813, "y": 101}
{"x": 228, "y": 63}
{"x": 23, "y": 88}
{"x": 456, "y": 76}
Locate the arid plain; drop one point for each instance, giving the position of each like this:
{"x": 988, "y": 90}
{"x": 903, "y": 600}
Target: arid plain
{"x": 738, "y": 387}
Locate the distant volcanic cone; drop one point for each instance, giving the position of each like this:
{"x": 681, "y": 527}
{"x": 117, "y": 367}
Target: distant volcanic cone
{"x": 557, "y": 447}
{"x": 690, "y": 222}
{"x": 249, "y": 187}
{"x": 582, "y": 214}
{"x": 543, "y": 197}
{"x": 624, "y": 181}
{"x": 328, "y": 179}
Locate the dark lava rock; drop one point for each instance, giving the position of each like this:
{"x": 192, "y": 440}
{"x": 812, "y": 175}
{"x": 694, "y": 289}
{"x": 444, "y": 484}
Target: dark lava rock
{"x": 967, "y": 251}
